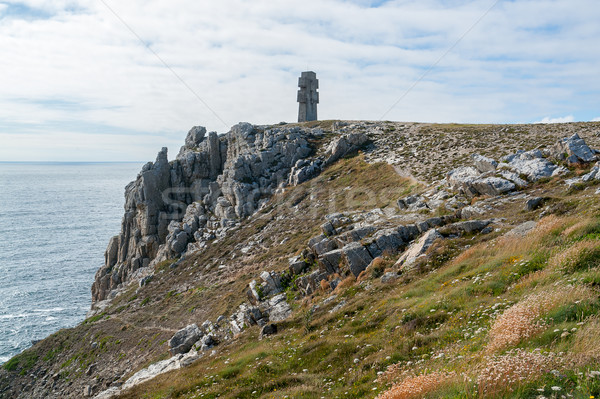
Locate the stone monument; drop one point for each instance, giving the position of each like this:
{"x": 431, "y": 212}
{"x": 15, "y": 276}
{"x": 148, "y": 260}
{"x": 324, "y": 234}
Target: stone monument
{"x": 308, "y": 97}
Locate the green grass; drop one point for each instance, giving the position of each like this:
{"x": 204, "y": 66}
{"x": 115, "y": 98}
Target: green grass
{"x": 22, "y": 362}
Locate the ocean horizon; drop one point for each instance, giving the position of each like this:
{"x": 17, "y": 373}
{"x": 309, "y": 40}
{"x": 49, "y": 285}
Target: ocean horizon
{"x": 55, "y": 222}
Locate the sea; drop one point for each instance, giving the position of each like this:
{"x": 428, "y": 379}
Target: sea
{"x": 55, "y": 222}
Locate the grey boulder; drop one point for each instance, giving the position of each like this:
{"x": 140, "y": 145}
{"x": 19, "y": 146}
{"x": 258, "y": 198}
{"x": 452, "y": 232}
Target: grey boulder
{"x": 484, "y": 164}
{"x": 575, "y": 148}
{"x": 184, "y": 339}
{"x": 357, "y": 257}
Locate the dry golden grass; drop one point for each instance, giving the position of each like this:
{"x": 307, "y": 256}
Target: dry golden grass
{"x": 325, "y": 287}
{"x": 578, "y": 226}
{"x": 345, "y": 283}
{"x": 413, "y": 387}
{"x": 586, "y": 342}
{"x": 548, "y": 225}
{"x": 522, "y": 320}
{"x": 511, "y": 246}
{"x": 502, "y": 374}
{"x": 568, "y": 258}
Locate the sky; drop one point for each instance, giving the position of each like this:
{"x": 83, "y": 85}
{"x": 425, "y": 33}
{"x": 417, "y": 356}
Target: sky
{"x": 102, "y": 80}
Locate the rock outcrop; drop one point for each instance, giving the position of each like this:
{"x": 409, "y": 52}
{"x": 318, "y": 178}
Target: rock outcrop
{"x": 214, "y": 182}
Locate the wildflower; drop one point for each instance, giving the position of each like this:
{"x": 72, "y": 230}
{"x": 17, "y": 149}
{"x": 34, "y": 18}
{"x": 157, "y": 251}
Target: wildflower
{"x": 555, "y": 388}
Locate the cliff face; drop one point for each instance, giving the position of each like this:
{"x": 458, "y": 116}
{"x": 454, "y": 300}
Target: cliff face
{"x": 214, "y": 183}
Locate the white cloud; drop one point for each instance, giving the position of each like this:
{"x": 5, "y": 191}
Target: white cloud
{"x": 564, "y": 119}
{"x": 596, "y": 119}
{"x": 243, "y": 59}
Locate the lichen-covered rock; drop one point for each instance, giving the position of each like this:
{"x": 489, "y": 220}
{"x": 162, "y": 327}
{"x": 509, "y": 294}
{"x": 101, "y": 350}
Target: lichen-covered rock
{"x": 357, "y": 257}
{"x": 310, "y": 283}
{"x": 484, "y": 164}
{"x": 278, "y": 309}
{"x": 330, "y": 261}
{"x": 417, "y": 249}
{"x": 466, "y": 227}
{"x": 344, "y": 145}
{"x": 184, "y": 339}
{"x": 269, "y": 329}
{"x": 574, "y": 150}
{"x": 530, "y": 164}
{"x": 304, "y": 170}
{"x": 322, "y": 244}
{"x": 492, "y": 186}
{"x": 594, "y": 173}
{"x": 412, "y": 203}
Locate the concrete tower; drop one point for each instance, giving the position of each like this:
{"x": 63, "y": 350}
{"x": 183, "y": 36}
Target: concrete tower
{"x": 308, "y": 97}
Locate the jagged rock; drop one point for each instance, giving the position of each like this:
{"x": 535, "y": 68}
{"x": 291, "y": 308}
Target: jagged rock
{"x": 207, "y": 342}
{"x": 269, "y": 329}
{"x": 184, "y": 339}
{"x": 412, "y": 203}
{"x": 338, "y": 220}
{"x": 272, "y": 283}
{"x": 112, "y": 252}
{"x": 357, "y": 257}
{"x": 467, "y": 227}
{"x": 195, "y": 137}
{"x": 513, "y": 177}
{"x": 344, "y": 145}
{"x": 174, "y": 207}
{"x": 330, "y": 261}
{"x": 472, "y": 211}
{"x": 574, "y": 150}
{"x": 533, "y": 203}
{"x": 593, "y": 174}
{"x": 207, "y": 327}
{"x": 492, "y": 186}
{"x": 436, "y": 221}
{"x": 321, "y": 244}
{"x": 389, "y": 277}
{"x": 87, "y": 391}
{"x": 417, "y": 249}
{"x": 252, "y": 315}
{"x": 253, "y": 292}
{"x": 388, "y": 241}
{"x": 278, "y": 309}
{"x": 530, "y": 164}
{"x": 484, "y": 164}
{"x": 356, "y": 234}
{"x": 469, "y": 182}
{"x": 146, "y": 280}
{"x": 304, "y": 171}
{"x": 142, "y": 227}
{"x": 460, "y": 178}
{"x": 310, "y": 283}
{"x": 298, "y": 265}
{"x": 560, "y": 171}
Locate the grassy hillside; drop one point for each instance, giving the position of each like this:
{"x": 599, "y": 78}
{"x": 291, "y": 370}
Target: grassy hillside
{"x": 486, "y": 315}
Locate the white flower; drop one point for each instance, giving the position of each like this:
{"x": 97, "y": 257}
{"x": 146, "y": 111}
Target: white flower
{"x": 555, "y": 388}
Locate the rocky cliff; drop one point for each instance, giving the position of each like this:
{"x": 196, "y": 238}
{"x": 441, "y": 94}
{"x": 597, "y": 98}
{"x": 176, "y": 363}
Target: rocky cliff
{"x": 214, "y": 182}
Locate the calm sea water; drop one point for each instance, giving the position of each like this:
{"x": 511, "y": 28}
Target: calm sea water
{"x": 55, "y": 223}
